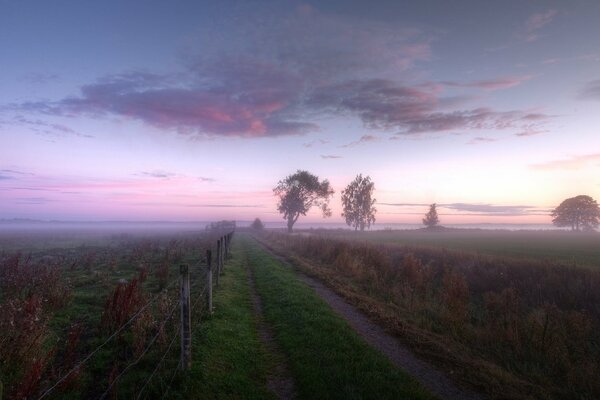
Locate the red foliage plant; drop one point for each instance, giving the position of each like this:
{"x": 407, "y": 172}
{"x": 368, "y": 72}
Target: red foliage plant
{"x": 125, "y": 300}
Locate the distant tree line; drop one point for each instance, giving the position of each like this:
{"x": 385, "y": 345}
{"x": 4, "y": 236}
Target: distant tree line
{"x": 301, "y": 191}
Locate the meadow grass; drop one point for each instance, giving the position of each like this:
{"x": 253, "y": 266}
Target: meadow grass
{"x": 511, "y": 327}
{"x": 326, "y": 357}
{"x": 65, "y": 284}
{"x": 581, "y": 249}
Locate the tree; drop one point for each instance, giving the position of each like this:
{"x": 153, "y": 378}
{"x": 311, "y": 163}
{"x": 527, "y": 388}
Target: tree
{"x": 299, "y": 192}
{"x": 257, "y": 225}
{"x": 431, "y": 218}
{"x": 358, "y": 204}
{"x": 579, "y": 212}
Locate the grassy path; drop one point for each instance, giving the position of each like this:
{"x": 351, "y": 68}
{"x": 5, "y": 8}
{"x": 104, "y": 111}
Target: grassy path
{"x": 229, "y": 360}
{"x": 327, "y": 358}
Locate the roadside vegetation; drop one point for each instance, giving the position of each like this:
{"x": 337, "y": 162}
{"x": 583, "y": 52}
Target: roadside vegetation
{"x": 61, "y": 299}
{"x": 515, "y": 328}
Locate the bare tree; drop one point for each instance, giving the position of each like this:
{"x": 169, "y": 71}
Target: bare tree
{"x": 431, "y": 218}
{"x": 299, "y": 192}
{"x": 358, "y": 203}
{"x": 579, "y": 212}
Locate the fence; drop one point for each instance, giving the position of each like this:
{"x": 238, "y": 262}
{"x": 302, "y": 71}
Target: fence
{"x": 190, "y": 316}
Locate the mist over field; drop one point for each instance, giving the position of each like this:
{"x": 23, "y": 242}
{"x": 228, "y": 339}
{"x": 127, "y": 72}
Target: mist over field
{"x": 300, "y": 199}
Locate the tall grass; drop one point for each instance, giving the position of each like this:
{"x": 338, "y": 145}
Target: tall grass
{"x": 538, "y": 321}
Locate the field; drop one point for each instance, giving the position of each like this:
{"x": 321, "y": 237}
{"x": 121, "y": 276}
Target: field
{"x": 66, "y": 295}
{"x": 568, "y": 248}
{"x": 520, "y": 326}
{"x": 91, "y": 314}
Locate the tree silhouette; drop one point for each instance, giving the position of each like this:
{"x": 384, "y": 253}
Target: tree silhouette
{"x": 257, "y": 225}
{"x": 431, "y": 218}
{"x": 358, "y": 204}
{"x": 299, "y": 192}
{"x": 579, "y": 212}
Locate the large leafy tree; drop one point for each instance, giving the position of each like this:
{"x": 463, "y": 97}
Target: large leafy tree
{"x": 357, "y": 202}
{"x": 299, "y": 192}
{"x": 579, "y": 212}
{"x": 431, "y": 218}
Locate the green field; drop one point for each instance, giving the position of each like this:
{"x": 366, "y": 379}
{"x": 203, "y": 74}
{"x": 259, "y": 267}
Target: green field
{"x": 548, "y": 246}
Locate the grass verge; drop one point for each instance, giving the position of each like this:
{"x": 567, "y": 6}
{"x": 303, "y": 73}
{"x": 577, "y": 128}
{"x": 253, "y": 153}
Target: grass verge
{"x": 327, "y": 358}
{"x": 229, "y": 361}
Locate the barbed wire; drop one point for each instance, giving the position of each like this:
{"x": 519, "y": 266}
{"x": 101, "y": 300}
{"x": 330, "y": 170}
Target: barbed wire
{"x": 134, "y": 362}
{"x": 200, "y": 276}
{"x": 175, "y": 336}
{"x": 110, "y": 338}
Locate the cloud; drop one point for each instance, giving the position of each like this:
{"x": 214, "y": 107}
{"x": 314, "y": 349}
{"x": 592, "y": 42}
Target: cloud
{"x": 5, "y": 177}
{"x": 33, "y": 200}
{"x": 480, "y": 140}
{"x": 46, "y": 128}
{"x": 329, "y": 156}
{"x": 39, "y": 78}
{"x": 480, "y": 209}
{"x": 226, "y": 205}
{"x": 571, "y": 163}
{"x": 536, "y": 22}
{"x": 385, "y": 104}
{"x": 491, "y": 84}
{"x": 363, "y": 139}
{"x": 315, "y": 142}
{"x": 205, "y": 179}
{"x": 285, "y": 74}
{"x": 253, "y": 87}
{"x": 531, "y": 131}
{"x": 591, "y": 91}
{"x": 245, "y": 98}
{"x": 490, "y": 208}
{"x": 157, "y": 174}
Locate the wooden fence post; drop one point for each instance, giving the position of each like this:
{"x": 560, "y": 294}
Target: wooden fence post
{"x": 222, "y": 254}
{"x": 209, "y": 281}
{"x": 219, "y": 245}
{"x": 186, "y": 333}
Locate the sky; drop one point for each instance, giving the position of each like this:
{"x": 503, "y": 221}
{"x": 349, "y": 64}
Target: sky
{"x": 193, "y": 111}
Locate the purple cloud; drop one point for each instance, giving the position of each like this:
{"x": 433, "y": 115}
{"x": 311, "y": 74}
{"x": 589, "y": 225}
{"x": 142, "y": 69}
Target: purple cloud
{"x": 385, "y": 104}
{"x": 308, "y": 64}
{"x": 39, "y": 78}
{"x": 315, "y": 142}
{"x": 536, "y": 22}
{"x": 480, "y": 209}
{"x": 330, "y": 156}
{"x": 591, "y": 91}
{"x": 362, "y": 140}
{"x": 157, "y": 174}
{"x": 480, "y": 140}
{"x": 491, "y": 84}
{"x": 46, "y": 128}
{"x": 571, "y": 163}
{"x": 244, "y": 99}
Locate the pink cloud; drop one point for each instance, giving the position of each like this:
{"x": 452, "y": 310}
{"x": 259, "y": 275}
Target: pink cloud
{"x": 591, "y": 91}
{"x": 362, "y": 140}
{"x": 571, "y": 163}
{"x": 480, "y": 140}
{"x": 491, "y": 84}
{"x": 536, "y": 22}
{"x": 384, "y": 104}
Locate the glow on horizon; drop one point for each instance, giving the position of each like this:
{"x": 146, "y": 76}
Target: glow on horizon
{"x": 183, "y": 117}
